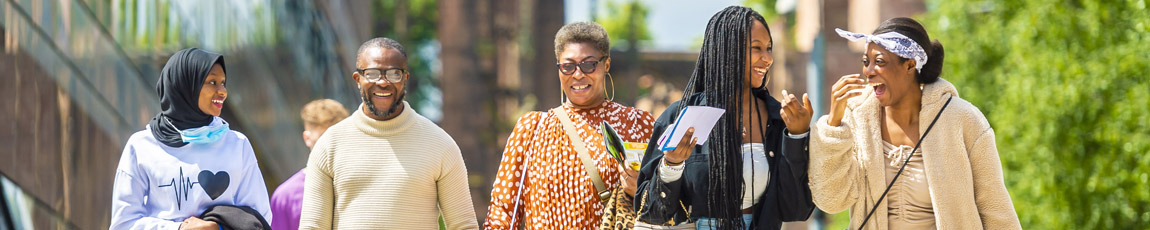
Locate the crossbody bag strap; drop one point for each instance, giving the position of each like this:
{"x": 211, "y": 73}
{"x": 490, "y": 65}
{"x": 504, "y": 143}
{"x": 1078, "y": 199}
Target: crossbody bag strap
{"x": 916, "y": 145}
{"x": 523, "y": 169}
{"x": 581, "y": 148}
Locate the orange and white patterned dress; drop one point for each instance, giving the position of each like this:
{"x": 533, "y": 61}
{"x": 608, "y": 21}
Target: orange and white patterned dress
{"x": 542, "y": 181}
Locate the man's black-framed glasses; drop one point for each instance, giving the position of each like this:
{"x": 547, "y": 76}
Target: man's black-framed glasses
{"x": 393, "y": 75}
{"x": 587, "y": 67}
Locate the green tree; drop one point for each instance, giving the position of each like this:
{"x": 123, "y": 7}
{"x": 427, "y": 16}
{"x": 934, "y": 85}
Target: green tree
{"x": 626, "y": 21}
{"x": 764, "y": 7}
{"x": 412, "y": 23}
{"x": 1064, "y": 84}
{"x": 626, "y": 25}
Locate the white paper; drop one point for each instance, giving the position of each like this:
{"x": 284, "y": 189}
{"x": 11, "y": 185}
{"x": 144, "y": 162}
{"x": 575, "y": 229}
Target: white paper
{"x": 663, "y": 138}
{"x": 702, "y": 118}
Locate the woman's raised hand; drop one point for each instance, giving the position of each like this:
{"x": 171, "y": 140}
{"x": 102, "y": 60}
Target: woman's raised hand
{"x": 845, "y": 88}
{"x": 797, "y": 115}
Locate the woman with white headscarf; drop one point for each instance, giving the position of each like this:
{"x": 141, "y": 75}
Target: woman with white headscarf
{"x": 873, "y": 155}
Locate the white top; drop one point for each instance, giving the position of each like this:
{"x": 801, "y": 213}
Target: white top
{"x": 755, "y": 166}
{"x": 158, "y": 186}
{"x": 756, "y": 170}
{"x": 756, "y": 173}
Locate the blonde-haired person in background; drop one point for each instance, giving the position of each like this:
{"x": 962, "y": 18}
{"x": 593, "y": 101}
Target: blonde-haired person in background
{"x": 287, "y": 200}
{"x": 319, "y": 114}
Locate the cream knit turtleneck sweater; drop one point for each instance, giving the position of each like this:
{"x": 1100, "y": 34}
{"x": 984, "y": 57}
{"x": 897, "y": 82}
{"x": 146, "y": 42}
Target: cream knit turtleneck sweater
{"x": 394, "y": 174}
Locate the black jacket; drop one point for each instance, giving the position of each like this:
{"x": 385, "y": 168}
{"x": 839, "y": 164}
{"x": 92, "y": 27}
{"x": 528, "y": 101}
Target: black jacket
{"x": 235, "y": 217}
{"x": 788, "y": 196}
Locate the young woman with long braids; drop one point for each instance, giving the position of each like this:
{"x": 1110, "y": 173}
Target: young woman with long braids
{"x": 752, "y": 171}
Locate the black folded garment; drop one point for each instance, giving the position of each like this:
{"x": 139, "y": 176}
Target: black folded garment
{"x": 236, "y": 217}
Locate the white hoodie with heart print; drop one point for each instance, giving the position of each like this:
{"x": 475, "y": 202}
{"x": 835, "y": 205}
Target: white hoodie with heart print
{"x": 158, "y": 186}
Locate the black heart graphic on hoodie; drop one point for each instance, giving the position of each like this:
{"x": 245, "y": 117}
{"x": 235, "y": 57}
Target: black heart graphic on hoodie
{"x": 214, "y": 184}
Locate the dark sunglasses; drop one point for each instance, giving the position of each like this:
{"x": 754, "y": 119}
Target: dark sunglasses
{"x": 587, "y": 67}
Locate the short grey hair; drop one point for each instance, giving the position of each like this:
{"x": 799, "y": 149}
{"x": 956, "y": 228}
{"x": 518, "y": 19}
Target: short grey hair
{"x": 582, "y": 32}
{"x": 380, "y": 42}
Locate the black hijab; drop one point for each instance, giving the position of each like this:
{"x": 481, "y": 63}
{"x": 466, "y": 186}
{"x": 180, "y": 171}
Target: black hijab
{"x": 179, "y": 90}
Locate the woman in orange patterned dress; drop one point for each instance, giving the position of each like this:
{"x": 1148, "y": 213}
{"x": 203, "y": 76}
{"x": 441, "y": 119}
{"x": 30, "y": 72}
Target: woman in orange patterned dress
{"x": 542, "y": 182}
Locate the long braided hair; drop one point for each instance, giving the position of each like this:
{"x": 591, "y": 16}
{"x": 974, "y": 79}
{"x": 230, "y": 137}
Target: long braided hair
{"x": 719, "y": 75}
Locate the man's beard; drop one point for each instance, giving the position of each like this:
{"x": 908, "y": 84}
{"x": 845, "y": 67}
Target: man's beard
{"x": 382, "y": 114}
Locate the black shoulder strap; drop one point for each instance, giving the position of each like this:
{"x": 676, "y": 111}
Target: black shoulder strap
{"x": 880, "y": 198}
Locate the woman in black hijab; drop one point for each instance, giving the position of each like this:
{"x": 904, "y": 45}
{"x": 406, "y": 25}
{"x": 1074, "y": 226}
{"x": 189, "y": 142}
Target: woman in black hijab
{"x": 187, "y": 159}
{"x": 188, "y": 98}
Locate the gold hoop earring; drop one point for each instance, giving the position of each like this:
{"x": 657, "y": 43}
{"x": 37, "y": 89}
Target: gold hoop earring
{"x": 610, "y": 97}
{"x": 766, "y": 75}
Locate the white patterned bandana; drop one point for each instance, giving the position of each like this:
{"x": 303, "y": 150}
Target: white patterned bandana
{"x": 896, "y": 43}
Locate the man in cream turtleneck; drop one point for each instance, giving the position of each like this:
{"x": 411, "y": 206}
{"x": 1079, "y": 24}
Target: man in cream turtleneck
{"x": 385, "y": 166}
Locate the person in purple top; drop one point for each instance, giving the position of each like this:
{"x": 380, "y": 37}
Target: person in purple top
{"x": 287, "y": 200}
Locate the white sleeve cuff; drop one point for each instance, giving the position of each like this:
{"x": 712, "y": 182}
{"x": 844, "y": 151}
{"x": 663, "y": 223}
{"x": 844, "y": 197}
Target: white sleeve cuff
{"x": 797, "y": 136}
{"x": 173, "y": 225}
{"x": 669, "y": 173}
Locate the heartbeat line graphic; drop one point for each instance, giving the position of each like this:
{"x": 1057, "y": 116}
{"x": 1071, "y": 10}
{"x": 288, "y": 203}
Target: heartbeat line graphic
{"x": 182, "y": 188}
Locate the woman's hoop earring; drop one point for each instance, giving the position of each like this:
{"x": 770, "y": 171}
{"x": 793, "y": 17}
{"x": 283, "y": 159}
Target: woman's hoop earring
{"x": 610, "y": 97}
{"x": 766, "y": 75}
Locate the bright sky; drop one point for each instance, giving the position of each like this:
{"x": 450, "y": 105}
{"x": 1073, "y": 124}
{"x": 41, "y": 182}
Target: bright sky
{"x": 675, "y": 24}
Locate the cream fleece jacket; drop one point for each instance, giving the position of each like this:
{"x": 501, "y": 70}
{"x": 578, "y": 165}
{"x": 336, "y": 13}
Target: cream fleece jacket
{"x": 959, "y": 154}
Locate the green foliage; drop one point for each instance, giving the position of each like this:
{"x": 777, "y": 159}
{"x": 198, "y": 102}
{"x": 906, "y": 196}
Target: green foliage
{"x": 1064, "y": 83}
{"x": 625, "y": 21}
{"x": 764, "y": 7}
{"x": 147, "y": 26}
{"x": 422, "y": 17}
{"x": 841, "y": 220}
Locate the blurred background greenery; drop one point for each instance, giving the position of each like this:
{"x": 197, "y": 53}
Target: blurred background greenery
{"x": 1065, "y": 86}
